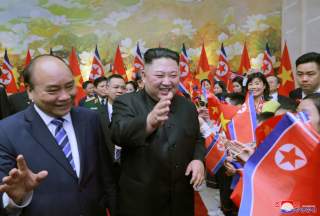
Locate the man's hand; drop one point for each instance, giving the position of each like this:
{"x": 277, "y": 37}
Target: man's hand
{"x": 21, "y": 181}
{"x": 159, "y": 114}
{"x": 197, "y": 169}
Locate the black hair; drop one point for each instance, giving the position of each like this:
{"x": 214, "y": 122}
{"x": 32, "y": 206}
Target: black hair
{"x": 236, "y": 98}
{"x": 116, "y": 76}
{"x": 156, "y": 53}
{"x": 309, "y": 57}
{"x": 205, "y": 80}
{"x": 85, "y": 84}
{"x": 239, "y": 79}
{"x": 28, "y": 71}
{"x": 259, "y": 75}
{"x": 264, "y": 116}
{"x": 99, "y": 80}
{"x": 315, "y": 97}
{"x": 134, "y": 84}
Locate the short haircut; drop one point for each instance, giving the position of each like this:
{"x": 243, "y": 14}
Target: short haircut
{"x": 85, "y": 84}
{"x": 28, "y": 71}
{"x": 309, "y": 57}
{"x": 277, "y": 78}
{"x": 99, "y": 80}
{"x": 115, "y": 76}
{"x": 156, "y": 53}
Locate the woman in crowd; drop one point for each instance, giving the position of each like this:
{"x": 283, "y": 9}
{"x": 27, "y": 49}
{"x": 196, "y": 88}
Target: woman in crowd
{"x": 237, "y": 83}
{"x": 258, "y": 85}
{"x": 131, "y": 86}
{"x": 206, "y": 84}
{"x": 220, "y": 90}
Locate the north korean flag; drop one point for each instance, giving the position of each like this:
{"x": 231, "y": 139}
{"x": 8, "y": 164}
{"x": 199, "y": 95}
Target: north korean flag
{"x": 243, "y": 125}
{"x": 97, "y": 67}
{"x": 284, "y": 170}
{"x": 184, "y": 64}
{"x": 215, "y": 153}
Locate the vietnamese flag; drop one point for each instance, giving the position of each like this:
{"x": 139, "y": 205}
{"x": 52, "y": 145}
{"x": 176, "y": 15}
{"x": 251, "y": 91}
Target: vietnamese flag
{"x": 245, "y": 61}
{"x": 118, "y": 66}
{"x": 203, "y": 67}
{"x": 285, "y": 73}
{"x": 75, "y": 69}
{"x": 282, "y": 176}
{"x": 28, "y": 59}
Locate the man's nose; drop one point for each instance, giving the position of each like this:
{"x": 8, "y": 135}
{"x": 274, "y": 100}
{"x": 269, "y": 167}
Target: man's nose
{"x": 64, "y": 95}
{"x": 304, "y": 78}
{"x": 166, "y": 80}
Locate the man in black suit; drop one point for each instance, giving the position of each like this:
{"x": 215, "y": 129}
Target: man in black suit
{"x": 4, "y": 103}
{"x": 53, "y": 159}
{"x": 162, "y": 148}
{"x": 274, "y": 84}
{"x": 19, "y": 102}
{"x": 307, "y": 76}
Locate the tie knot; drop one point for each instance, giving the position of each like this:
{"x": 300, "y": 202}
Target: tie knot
{"x": 103, "y": 101}
{"x": 58, "y": 122}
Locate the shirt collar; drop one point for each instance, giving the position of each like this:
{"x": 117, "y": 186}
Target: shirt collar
{"x": 47, "y": 119}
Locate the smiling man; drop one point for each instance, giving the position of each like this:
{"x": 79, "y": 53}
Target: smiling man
{"x": 162, "y": 148}
{"x": 53, "y": 159}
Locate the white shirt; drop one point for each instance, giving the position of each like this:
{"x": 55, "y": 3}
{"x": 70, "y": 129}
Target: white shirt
{"x": 110, "y": 110}
{"x": 68, "y": 126}
{"x": 274, "y": 96}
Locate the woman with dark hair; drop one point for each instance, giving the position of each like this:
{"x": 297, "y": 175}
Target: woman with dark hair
{"x": 258, "y": 85}
{"x": 206, "y": 84}
{"x": 220, "y": 90}
{"x": 311, "y": 105}
{"x": 237, "y": 85}
{"x": 131, "y": 86}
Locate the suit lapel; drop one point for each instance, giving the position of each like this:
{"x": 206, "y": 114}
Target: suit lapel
{"x": 42, "y": 135}
{"x": 80, "y": 131}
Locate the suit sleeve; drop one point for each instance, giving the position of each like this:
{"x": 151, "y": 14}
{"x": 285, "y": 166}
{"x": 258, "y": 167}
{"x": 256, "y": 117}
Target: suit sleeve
{"x": 200, "y": 150}
{"x": 107, "y": 173}
{"x": 7, "y": 162}
{"x": 127, "y": 128}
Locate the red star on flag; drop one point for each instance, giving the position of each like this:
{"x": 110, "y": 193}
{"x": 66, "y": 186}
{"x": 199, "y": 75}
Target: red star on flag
{"x": 290, "y": 157}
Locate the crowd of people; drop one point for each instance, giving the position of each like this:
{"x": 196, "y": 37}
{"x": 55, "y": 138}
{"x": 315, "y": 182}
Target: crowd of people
{"x": 129, "y": 148}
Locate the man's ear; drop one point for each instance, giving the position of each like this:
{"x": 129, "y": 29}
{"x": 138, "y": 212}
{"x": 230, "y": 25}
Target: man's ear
{"x": 29, "y": 90}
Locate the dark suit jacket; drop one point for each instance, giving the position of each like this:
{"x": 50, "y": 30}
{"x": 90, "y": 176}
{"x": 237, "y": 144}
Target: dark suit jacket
{"x": 286, "y": 102}
{"x": 19, "y": 102}
{"x": 104, "y": 119}
{"x": 61, "y": 193}
{"x": 4, "y": 104}
{"x": 296, "y": 94}
{"x": 153, "y": 180}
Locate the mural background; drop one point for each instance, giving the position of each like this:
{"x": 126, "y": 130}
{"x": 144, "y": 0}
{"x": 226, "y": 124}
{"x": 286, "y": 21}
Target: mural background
{"x": 61, "y": 24}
